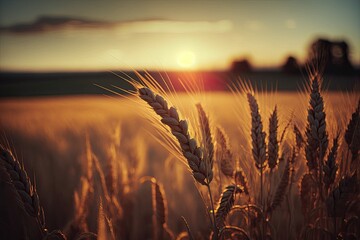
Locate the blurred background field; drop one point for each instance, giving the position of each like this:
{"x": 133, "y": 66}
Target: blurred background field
{"x": 48, "y": 134}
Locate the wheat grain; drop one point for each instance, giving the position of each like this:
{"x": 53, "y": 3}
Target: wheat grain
{"x": 273, "y": 144}
{"x": 179, "y": 128}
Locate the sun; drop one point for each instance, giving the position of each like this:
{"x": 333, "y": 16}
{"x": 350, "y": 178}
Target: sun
{"x": 186, "y": 59}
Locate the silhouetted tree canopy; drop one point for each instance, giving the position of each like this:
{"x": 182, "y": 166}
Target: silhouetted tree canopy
{"x": 241, "y": 66}
{"x": 334, "y": 53}
{"x": 291, "y": 65}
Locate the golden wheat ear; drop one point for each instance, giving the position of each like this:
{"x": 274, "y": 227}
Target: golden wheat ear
{"x": 257, "y": 134}
{"x": 179, "y": 129}
{"x": 20, "y": 200}
{"x": 224, "y": 154}
{"x": 273, "y": 145}
{"x": 316, "y": 134}
{"x": 225, "y": 204}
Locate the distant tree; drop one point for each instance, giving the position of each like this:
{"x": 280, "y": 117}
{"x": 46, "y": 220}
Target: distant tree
{"x": 291, "y": 65}
{"x": 335, "y": 54}
{"x": 241, "y": 66}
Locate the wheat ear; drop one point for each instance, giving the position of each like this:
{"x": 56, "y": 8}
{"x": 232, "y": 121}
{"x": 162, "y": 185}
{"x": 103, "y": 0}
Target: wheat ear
{"x": 179, "y": 128}
{"x": 316, "y": 135}
{"x": 257, "y": 133}
{"x": 273, "y": 145}
{"x": 240, "y": 179}
{"x": 338, "y": 199}
{"x": 161, "y": 230}
{"x": 225, "y": 204}
{"x": 281, "y": 188}
{"x": 330, "y": 166}
{"x": 206, "y": 136}
{"x": 352, "y": 133}
{"x": 225, "y": 154}
{"x": 21, "y": 182}
{"x": 299, "y": 139}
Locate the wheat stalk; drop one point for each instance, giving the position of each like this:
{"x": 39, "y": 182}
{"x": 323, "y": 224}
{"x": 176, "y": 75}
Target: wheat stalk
{"x": 273, "y": 145}
{"x": 55, "y": 235}
{"x": 105, "y": 228}
{"x": 308, "y": 192}
{"x": 179, "y": 128}
{"x": 225, "y": 204}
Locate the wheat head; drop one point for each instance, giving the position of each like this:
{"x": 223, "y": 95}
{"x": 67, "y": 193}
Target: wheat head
{"x": 193, "y": 153}
{"x": 257, "y": 133}
{"x": 273, "y": 144}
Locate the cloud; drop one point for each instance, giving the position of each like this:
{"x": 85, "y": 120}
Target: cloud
{"x": 61, "y": 23}
{"x": 48, "y": 23}
{"x": 170, "y": 26}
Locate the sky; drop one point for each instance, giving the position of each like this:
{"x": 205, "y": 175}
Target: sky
{"x": 86, "y": 35}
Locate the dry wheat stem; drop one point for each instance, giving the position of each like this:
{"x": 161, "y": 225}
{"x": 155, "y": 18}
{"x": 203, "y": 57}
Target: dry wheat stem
{"x": 307, "y": 192}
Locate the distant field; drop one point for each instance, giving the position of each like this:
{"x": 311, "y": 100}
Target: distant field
{"x": 48, "y": 84}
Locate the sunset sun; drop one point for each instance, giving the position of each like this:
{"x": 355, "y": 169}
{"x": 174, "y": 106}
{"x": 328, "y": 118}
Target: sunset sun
{"x": 186, "y": 59}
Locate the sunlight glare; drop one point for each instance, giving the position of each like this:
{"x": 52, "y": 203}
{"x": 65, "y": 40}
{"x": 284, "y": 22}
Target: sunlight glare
{"x": 186, "y": 59}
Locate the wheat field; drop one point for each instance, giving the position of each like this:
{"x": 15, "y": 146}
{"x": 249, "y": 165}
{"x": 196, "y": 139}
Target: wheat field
{"x": 154, "y": 164}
